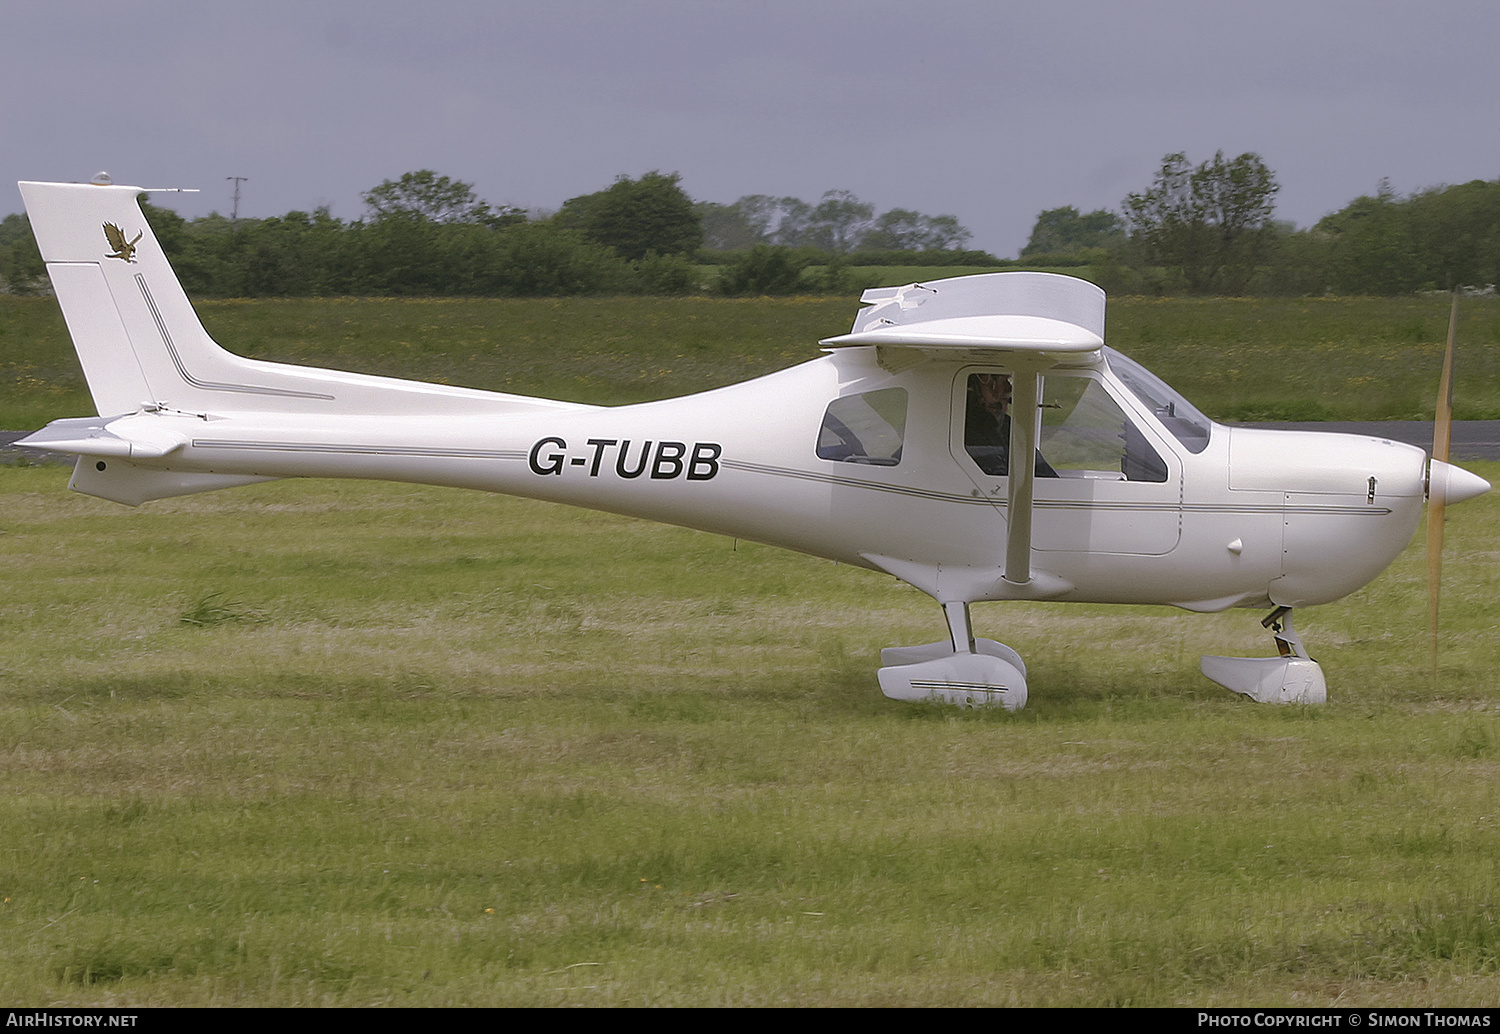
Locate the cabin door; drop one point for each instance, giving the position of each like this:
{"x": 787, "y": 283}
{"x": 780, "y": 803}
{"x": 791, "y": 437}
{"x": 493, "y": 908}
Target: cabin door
{"x": 1105, "y": 482}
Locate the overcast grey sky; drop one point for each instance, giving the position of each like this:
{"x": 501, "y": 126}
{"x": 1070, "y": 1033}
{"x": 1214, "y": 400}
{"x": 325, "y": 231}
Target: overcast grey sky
{"x": 985, "y": 109}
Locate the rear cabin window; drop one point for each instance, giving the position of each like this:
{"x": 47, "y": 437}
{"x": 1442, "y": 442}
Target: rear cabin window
{"x": 867, "y": 428}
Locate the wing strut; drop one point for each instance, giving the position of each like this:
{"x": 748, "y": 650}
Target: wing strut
{"x": 1026, "y": 386}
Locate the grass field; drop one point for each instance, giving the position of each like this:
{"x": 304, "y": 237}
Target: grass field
{"x": 353, "y": 744}
{"x": 1237, "y": 359}
{"x": 357, "y": 744}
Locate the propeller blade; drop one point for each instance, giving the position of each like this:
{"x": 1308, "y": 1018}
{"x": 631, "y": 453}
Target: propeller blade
{"x": 1442, "y": 431}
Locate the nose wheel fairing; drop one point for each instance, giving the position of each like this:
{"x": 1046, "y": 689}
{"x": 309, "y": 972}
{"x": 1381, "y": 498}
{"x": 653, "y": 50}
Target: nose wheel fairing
{"x": 1292, "y": 678}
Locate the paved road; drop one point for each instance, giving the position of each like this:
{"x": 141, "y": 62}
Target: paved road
{"x": 1472, "y": 439}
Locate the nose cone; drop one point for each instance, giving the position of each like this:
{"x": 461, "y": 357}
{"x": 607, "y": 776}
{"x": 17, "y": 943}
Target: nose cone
{"x": 1449, "y": 484}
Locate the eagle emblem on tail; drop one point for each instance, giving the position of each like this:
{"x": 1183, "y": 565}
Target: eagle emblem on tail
{"x": 123, "y": 249}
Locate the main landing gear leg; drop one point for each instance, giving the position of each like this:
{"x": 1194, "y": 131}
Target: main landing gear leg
{"x": 962, "y": 670}
{"x": 1292, "y": 678}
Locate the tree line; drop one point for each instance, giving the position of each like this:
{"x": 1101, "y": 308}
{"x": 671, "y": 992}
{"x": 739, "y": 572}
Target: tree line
{"x": 1209, "y": 229}
{"x": 839, "y": 223}
{"x": 1206, "y": 229}
{"x": 425, "y": 234}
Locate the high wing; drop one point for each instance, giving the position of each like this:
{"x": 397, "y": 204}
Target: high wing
{"x": 1034, "y": 314}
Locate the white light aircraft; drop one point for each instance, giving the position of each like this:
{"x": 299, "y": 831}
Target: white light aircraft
{"x": 891, "y": 452}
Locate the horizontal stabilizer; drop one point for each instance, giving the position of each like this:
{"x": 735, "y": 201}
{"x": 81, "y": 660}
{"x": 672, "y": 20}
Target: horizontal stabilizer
{"x": 91, "y": 436}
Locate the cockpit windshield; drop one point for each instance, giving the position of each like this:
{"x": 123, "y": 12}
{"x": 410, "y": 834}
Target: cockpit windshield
{"x": 1179, "y": 416}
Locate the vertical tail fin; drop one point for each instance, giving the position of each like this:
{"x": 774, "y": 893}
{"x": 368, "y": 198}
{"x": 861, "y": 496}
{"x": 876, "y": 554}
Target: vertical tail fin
{"x": 142, "y": 345}
{"x": 136, "y": 333}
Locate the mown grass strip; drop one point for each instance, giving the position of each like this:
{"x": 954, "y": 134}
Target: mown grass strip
{"x": 487, "y": 751}
{"x": 1240, "y": 359}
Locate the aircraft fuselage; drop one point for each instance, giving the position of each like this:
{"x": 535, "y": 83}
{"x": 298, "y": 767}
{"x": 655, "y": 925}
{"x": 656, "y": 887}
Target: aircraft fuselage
{"x": 1253, "y": 517}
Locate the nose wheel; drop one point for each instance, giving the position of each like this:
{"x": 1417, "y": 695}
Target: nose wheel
{"x": 1291, "y": 678}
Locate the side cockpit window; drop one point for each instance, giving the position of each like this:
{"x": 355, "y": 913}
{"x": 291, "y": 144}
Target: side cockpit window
{"x": 867, "y": 428}
{"x": 987, "y": 425}
{"x": 1085, "y": 434}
